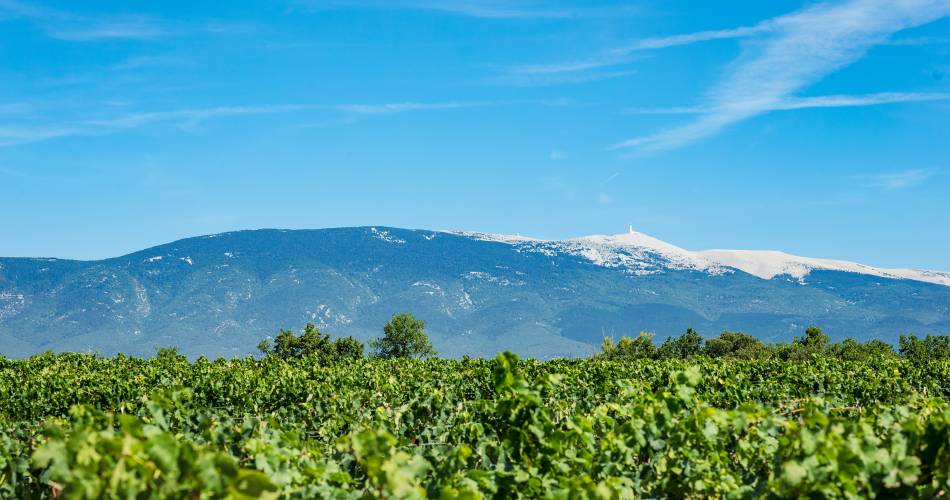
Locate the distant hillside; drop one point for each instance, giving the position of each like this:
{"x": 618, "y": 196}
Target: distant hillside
{"x": 219, "y": 295}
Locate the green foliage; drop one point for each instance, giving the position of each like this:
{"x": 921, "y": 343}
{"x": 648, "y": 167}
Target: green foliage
{"x": 170, "y": 354}
{"x": 685, "y": 346}
{"x": 404, "y": 336}
{"x": 930, "y": 348}
{"x": 641, "y": 347}
{"x": 804, "y": 349}
{"x": 79, "y": 426}
{"x": 312, "y": 344}
{"x": 852, "y": 350}
{"x": 814, "y": 338}
{"x": 102, "y": 455}
{"x": 736, "y": 345}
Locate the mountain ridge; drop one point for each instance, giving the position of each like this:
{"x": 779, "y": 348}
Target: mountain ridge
{"x": 797, "y": 266}
{"x": 766, "y": 264}
{"x": 480, "y": 293}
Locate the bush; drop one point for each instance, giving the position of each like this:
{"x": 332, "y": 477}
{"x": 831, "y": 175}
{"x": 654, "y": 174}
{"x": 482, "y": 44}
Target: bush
{"x": 852, "y": 350}
{"x": 685, "y": 346}
{"x": 736, "y": 345}
{"x": 629, "y": 348}
{"x": 930, "y": 348}
{"x": 312, "y": 344}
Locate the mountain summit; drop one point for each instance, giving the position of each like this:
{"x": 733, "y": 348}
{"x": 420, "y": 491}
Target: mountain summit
{"x": 218, "y": 295}
{"x": 634, "y": 251}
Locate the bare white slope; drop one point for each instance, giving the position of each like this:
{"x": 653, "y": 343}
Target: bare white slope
{"x": 633, "y": 252}
{"x": 638, "y": 253}
{"x": 768, "y": 264}
{"x": 500, "y": 238}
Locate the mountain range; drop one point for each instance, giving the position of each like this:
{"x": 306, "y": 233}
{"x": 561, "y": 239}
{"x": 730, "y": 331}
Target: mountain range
{"x": 479, "y": 293}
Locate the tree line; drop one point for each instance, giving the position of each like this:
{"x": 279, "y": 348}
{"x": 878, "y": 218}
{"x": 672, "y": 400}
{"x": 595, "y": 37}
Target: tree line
{"x": 404, "y": 336}
{"x": 744, "y": 346}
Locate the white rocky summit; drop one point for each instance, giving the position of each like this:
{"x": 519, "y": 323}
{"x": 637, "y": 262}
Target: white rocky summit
{"x": 640, "y": 254}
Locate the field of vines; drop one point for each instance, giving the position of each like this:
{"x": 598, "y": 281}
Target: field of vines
{"x": 80, "y": 426}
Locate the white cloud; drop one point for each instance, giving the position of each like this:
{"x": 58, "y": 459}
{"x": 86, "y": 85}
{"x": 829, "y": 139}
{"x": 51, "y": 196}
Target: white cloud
{"x": 899, "y": 180}
{"x": 487, "y": 9}
{"x": 70, "y": 26}
{"x": 826, "y": 101}
{"x": 546, "y": 79}
{"x": 557, "y": 155}
{"x": 663, "y": 42}
{"x": 199, "y": 114}
{"x": 12, "y": 135}
{"x": 133, "y": 28}
{"x": 801, "y": 49}
{"x": 627, "y": 53}
{"x": 400, "y": 107}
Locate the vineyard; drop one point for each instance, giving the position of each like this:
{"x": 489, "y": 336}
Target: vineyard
{"x": 80, "y": 426}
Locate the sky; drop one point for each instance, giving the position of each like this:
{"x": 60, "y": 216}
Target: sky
{"x": 819, "y": 129}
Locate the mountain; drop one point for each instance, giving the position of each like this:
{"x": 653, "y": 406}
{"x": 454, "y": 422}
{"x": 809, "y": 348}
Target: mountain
{"x": 480, "y": 293}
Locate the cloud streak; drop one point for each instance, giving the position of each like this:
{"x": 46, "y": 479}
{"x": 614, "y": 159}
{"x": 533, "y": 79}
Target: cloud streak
{"x": 801, "y": 48}
{"x": 195, "y": 115}
{"x": 485, "y": 9}
{"x": 793, "y": 103}
{"x": 899, "y": 180}
{"x": 547, "y": 79}
{"x": 70, "y": 26}
{"x": 65, "y": 25}
{"x": 10, "y": 136}
{"x": 627, "y": 53}
{"x": 13, "y": 135}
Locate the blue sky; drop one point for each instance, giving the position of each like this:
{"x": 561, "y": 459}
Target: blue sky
{"x": 820, "y": 129}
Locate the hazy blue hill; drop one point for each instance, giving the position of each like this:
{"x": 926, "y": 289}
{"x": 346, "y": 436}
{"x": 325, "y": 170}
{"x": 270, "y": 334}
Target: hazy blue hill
{"x": 218, "y": 295}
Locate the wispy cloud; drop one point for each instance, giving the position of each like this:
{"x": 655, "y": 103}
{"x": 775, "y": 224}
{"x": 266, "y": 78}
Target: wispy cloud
{"x": 66, "y": 25}
{"x": 72, "y": 26}
{"x": 898, "y": 180}
{"x": 10, "y": 136}
{"x": 827, "y": 101}
{"x": 152, "y": 61}
{"x": 628, "y": 53}
{"x": 487, "y": 9}
{"x": 129, "y": 28}
{"x": 194, "y": 115}
{"x": 547, "y": 79}
{"x": 594, "y": 68}
{"x": 400, "y": 107}
{"x": 190, "y": 117}
{"x": 801, "y": 48}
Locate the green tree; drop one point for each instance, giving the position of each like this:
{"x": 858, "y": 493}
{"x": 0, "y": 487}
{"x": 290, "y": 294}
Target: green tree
{"x": 170, "y": 354}
{"x": 736, "y": 345}
{"x": 404, "y": 336}
{"x": 852, "y": 350}
{"x": 930, "y": 348}
{"x": 348, "y": 348}
{"x": 685, "y": 346}
{"x": 814, "y": 338}
{"x": 640, "y": 347}
{"x": 312, "y": 344}
{"x": 815, "y": 342}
